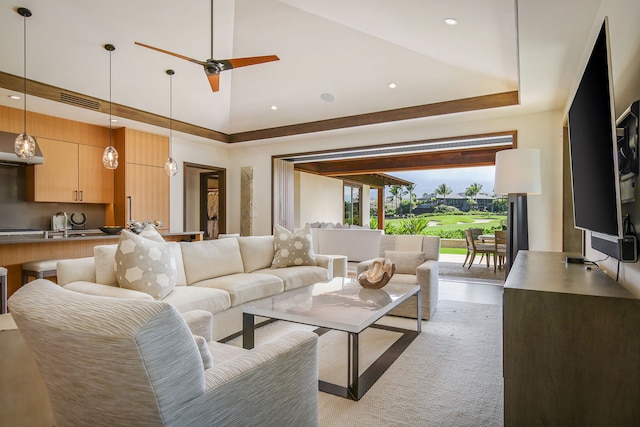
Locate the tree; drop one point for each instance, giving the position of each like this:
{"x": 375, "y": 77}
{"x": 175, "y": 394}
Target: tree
{"x": 472, "y": 193}
{"x": 412, "y": 195}
{"x": 395, "y": 191}
{"x": 443, "y": 190}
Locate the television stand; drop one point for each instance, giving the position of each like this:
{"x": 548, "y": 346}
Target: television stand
{"x": 571, "y": 345}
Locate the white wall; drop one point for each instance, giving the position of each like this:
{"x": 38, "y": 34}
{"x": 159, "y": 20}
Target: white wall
{"x": 190, "y": 151}
{"x": 317, "y": 198}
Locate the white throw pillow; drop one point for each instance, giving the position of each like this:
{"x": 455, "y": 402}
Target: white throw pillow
{"x": 205, "y": 353}
{"x": 145, "y": 263}
{"x": 406, "y": 262}
{"x": 292, "y": 249}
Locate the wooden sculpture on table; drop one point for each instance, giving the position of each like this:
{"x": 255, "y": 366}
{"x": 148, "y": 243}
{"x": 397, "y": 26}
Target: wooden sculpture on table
{"x": 378, "y": 275}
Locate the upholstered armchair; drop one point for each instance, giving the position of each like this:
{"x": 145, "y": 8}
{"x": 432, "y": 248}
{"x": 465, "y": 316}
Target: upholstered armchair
{"x": 416, "y": 259}
{"x": 123, "y": 362}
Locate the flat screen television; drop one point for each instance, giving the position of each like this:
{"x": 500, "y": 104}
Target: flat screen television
{"x": 594, "y": 160}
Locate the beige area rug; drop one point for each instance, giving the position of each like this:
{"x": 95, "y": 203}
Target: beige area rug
{"x": 478, "y": 273}
{"x": 451, "y": 375}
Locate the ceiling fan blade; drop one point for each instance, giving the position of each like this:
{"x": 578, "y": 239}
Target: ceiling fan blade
{"x": 252, "y": 60}
{"x": 214, "y": 81}
{"x": 172, "y": 54}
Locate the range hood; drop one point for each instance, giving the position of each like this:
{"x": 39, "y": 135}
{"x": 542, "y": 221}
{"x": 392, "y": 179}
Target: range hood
{"x": 8, "y": 155}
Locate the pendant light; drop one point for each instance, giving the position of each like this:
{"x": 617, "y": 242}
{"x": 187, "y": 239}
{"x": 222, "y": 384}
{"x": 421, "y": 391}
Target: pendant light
{"x": 170, "y": 166}
{"x": 25, "y": 144}
{"x": 110, "y": 155}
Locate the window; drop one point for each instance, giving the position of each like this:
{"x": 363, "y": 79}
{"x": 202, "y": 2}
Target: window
{"x": 352, "y": 204}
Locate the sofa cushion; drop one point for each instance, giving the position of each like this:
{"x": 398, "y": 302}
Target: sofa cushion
{"x": 91, "y": 288}
{"x": 105, "y": 264}
{"x": 145, "y": 263}
{"x": 257, "y": 252}
{"x": 297, "y": 277}
{"x": 205, "y": 353}
{"x": 406, "y": 262}
{"x": 181, "y": 278}
{"x": 211, "y": 258}
{"x": 187, "y": 298}
{"x": 407, "y": 279}
{"x": 292, "y": 249}
{"x": 244, "y": 287}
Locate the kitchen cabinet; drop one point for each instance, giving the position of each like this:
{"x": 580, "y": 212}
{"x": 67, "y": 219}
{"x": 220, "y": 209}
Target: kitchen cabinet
{"x": 71, "y": 173}
{"x": 141, "y": 184}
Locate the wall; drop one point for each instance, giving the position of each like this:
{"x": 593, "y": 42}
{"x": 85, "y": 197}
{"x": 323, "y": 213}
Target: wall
{"x": 200, "y": 153}
{"x": 624, "y": 40}
{"x": 317, "y": 198}
{"x": 541, "y": 130}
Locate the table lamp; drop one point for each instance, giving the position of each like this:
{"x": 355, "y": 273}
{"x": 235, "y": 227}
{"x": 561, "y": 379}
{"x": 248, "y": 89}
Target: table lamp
{"x": 517, "y": 174}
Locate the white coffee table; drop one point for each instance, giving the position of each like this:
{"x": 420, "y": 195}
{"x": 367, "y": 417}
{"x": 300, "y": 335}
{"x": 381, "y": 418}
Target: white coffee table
{"x": 341, "y": 304}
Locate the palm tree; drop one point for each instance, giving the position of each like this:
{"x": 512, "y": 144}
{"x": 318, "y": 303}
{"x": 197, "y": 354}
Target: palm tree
{"x": 472, "y": 192}
{"x": 395, "y": 191}
{"x": 412, "y": 196}
{"x": 443, "y": 190}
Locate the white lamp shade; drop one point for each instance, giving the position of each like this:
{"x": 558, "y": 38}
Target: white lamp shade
{"x": 518, "y": 171}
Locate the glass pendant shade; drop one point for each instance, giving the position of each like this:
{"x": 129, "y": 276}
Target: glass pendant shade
{"x": 110, "y": 157}
{"x": 25, "y": 146}
{"x": 171, "y": 167}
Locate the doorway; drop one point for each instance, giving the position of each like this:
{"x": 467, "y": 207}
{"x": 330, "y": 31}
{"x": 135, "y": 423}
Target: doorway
{"x": 205, "y": 199}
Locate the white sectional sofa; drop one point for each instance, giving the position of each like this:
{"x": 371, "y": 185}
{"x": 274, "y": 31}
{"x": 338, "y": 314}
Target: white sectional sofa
{"x": 219, "y": 276}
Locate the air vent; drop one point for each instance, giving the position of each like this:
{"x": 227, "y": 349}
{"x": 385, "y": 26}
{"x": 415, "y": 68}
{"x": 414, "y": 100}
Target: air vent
{"x": 81, "y": 102}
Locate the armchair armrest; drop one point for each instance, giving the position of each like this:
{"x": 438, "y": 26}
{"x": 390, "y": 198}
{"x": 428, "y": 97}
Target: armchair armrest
{"x": 427, "y": 272}
{"x": 324, "y": 262}
{"x": 200, "y": 323}
{"x": 366, "y": 265}
{"x": 273, "y": 384}
{"x": 97, "y": 289}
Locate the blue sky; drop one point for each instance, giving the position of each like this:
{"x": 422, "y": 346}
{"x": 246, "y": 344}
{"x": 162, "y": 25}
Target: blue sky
{"x": 457, "y": 178}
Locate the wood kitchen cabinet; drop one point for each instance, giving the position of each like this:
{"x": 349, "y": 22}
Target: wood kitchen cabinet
{"x": 71, "y": 173}
{"x": 141, "y": 184}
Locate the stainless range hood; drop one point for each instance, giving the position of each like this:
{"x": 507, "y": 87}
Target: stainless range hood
{"x": 8, "y": 155}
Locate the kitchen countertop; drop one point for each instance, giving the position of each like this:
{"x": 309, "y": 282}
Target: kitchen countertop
{"x": 73, "y": 235}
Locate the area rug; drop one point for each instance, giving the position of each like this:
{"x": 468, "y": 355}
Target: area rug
{"x": 451, "y": 375}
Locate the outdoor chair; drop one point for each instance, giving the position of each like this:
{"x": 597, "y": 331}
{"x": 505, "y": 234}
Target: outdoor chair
{"x": 475, "y": 248}
{"x": 500, "y": 247}
{"x": 130, "y": 362}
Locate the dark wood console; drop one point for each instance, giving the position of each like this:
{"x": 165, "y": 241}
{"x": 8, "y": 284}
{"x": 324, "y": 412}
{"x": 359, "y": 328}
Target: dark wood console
{"x": 571, "y": 345}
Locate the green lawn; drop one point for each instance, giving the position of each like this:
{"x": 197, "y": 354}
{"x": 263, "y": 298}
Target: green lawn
{"x": 461, "y": 222}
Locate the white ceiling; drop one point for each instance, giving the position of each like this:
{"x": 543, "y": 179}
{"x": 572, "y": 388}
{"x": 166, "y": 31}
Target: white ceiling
{"x": 350, "y": 49}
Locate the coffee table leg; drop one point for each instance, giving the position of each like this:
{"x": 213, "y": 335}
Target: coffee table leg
{"x": 248, "y": 331}
{"x": 419, "y": 310}
{"x": 352, "y": 367}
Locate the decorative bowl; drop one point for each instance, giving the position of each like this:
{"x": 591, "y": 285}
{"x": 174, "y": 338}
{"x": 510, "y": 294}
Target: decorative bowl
{"x": 378, "y": 276}
{"x": 111, "y": 229}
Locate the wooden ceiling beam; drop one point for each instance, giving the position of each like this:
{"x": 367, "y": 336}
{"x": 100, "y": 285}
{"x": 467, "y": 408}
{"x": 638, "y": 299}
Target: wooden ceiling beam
{"x": 420, "y": 161}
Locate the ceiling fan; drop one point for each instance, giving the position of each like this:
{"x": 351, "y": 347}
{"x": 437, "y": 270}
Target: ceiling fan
{"x": 213, "y": 67}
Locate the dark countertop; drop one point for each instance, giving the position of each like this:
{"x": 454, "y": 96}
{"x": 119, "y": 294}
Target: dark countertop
{"x": 73, "y": 235}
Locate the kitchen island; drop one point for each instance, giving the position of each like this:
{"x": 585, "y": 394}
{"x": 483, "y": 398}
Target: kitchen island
{"x": 18, "y": 249}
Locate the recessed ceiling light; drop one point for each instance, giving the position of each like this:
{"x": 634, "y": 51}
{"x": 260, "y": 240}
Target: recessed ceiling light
{"x": 392, "y": 85}
{"x": 451, "y": 21}
{"x": 327, "y": 97}
{"x": 14, "y": 96}
{"x": 274, "y": 107}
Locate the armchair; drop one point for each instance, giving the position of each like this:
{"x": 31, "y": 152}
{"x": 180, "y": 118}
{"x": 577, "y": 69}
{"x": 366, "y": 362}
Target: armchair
{"x": 122, "y": 362}
{"x": 416, "y": 259}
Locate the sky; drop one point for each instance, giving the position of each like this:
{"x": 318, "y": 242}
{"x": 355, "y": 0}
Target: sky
{"x": 457, "y": 178}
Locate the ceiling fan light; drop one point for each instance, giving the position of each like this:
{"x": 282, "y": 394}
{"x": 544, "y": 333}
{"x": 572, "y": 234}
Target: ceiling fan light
{"x": 110, "y": 157}
{"x": 25, "y": 146}
{"x": 171, "y": 166}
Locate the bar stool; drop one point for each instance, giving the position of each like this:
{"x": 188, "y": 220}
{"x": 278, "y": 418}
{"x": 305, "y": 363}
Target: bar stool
{"x": 3, "y": 290}
{"x": 39, "y": 269}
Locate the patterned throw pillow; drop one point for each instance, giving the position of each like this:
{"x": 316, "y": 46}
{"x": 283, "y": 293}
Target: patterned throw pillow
{"x": 145, "y": 263}
{"x": 292, "y": 249}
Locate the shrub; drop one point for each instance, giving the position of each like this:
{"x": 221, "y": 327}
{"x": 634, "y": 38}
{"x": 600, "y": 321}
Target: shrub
{"x": 445, "y": 209}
